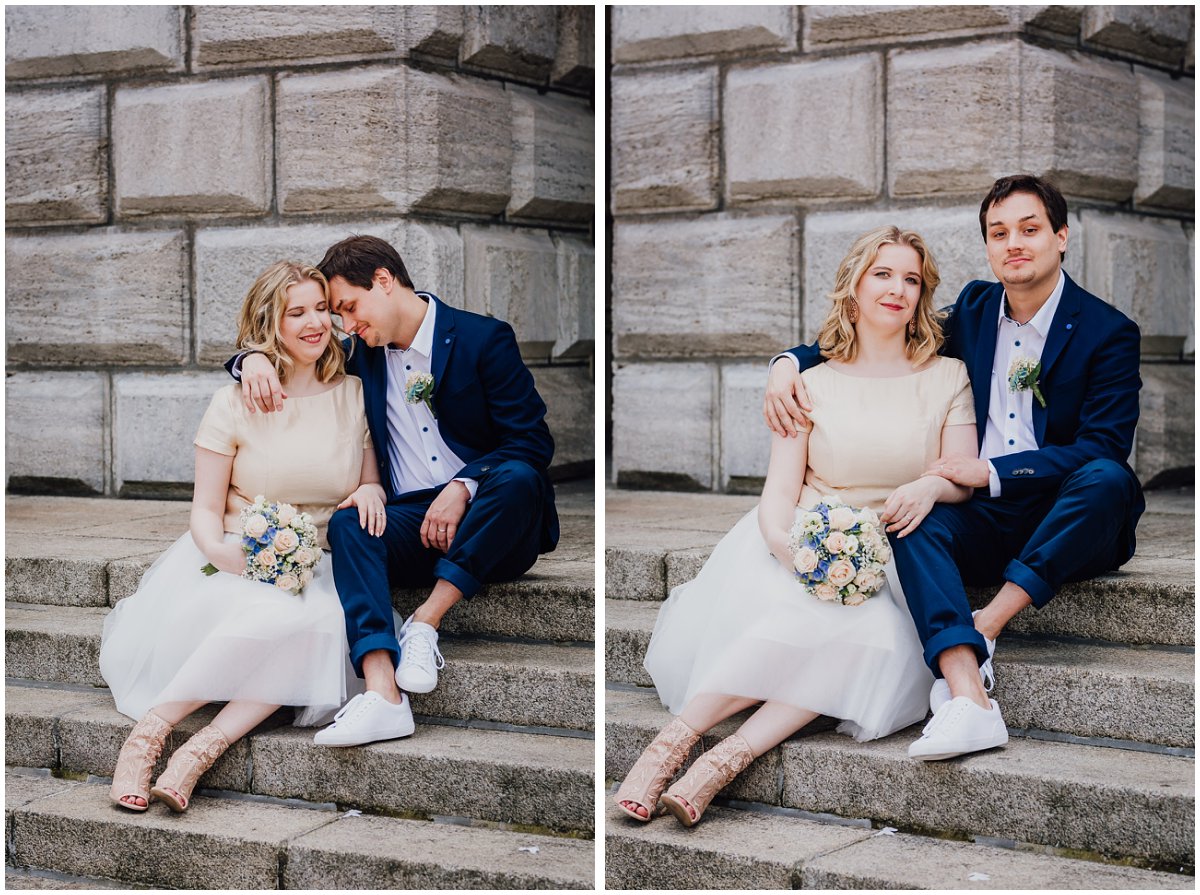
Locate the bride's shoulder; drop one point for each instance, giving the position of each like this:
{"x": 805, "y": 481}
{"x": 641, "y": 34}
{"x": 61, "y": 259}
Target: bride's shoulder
{"x": 950, "y": 367}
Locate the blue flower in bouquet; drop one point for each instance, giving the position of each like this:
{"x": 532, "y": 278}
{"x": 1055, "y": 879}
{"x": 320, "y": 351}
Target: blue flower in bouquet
{"x": 280, "y": 545}
{"x": 839, "y": 552}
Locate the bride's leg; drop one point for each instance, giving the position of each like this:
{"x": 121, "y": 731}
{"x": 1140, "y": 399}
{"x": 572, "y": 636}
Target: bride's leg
{"x": 773, "y": 723}
{"x": 708, "y": 709}
{"x": 240, "y": 717}
{"x": 174, "y": 712}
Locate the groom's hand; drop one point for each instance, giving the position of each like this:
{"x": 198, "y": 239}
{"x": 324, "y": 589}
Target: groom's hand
{"x": 443, "y": 516}
{"x": 260, "y": 384}
{"x": 970, "y": 472}
{"x": 786, "y": 401}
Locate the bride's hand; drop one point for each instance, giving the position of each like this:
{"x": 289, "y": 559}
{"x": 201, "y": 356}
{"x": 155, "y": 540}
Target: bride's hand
{"x": 227, "y": 557}
{"x": 908, "y": 505}
{"x": 369, "y": 499}
{"x": 777, "y": 543}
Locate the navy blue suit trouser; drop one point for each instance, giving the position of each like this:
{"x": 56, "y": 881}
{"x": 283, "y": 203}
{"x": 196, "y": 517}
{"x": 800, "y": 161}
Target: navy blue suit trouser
{"x": 497, "y": 540}
{"x": 1038, "y": 542}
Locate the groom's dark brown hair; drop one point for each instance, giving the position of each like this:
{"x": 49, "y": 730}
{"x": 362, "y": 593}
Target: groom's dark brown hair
{"x": 356, "y": 259}
{"x": 1052, "y": 200}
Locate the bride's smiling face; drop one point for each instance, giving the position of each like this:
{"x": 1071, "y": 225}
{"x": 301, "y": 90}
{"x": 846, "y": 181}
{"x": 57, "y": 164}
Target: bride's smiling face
{"x": 306, "y": 326}
{"x": 889, "y": 289}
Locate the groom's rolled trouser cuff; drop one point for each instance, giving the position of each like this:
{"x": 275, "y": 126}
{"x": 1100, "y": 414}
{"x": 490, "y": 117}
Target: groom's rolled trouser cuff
{"x": 959, "y": 635}
{"x": 461, "y": 579}
{"x": 1025, "y": 578}
{"x": 370, "y": 643}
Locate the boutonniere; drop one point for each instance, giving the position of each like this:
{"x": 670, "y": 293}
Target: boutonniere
{"x": 418, "y": 389}
{"x": 1023, "y": 377}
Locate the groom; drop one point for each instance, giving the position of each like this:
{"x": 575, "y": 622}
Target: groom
{"x": 1055, "y": 374}
{"x": 468, "y": 497}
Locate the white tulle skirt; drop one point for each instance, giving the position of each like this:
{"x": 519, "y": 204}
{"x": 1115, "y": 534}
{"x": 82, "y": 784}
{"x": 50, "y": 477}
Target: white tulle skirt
{"x": 745, "y": 627}
{"x": 185, "y": 636}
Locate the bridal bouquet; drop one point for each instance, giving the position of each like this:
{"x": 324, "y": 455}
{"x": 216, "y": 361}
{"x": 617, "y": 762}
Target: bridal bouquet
{"x": 839, "y": 552}
{"x": 280, "y": 545}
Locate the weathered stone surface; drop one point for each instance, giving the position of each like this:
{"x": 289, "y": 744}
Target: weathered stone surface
{"x": 432, "y": 30}
{"x": 512, "y": 41}
{"x": 663, "y": 424}
{"x": 1155, "y": 34}
{"x": 192, "y": 148}
{"x": 49, "y": 41}
{"x": 951, "y": 234}
{"x": 832, "y": 26}
{"x": 155, "y": 418}
{"x": 513, "y": 275}
{"x": 553, "y": 157}
{"x": 663, "y": 147}
{"x": 55, "y": 434}
{"x": 719, "y": 284}
{"x": 1059, "y": 20}
{"x": 432, "y": 255}
{"x": 1166, "y": 142}
{"x": 781, "y": 145}
{"x": 570, "y": 396}
{"x": 30, "y": 724}
{"x": 362, "y": 853}
{"x": 118, "y": 297}
{"x": 745, "y": 440}
{"x": 641, "y": 33}
{"x": 49, "y": 643}
{"x": 56, "y": 157}
{"x": 944, "y": 105}
{"x": 1140, "y": 265}
{"x": 575, "y": 62}
{"x": 1166, "y": 433}
{"x": 229, "y": 35}
{"x": 576, "y": 298}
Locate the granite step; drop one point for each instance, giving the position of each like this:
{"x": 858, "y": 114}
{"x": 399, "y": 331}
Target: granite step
{"x": 1115, "y": 802}
{"x": 540, "y": 685}
{"x": 227, "y": 843}
{"x": 100, "y": 548}
{"x": 735, "y": 849}
{"x": 505, "y": 776}
{"x": 1143, "y": 694}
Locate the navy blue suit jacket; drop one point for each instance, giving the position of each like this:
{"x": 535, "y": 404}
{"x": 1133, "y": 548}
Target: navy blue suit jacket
{"x": 1090, "y": 379}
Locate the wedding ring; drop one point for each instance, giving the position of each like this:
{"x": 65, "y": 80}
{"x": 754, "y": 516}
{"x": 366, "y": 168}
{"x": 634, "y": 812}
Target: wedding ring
{"x": 441, "y": 529}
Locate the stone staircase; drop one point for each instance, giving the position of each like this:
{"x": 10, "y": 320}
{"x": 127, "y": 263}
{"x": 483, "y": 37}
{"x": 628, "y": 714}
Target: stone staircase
{"x": 495, "y": 790}
{"x": 1095, "y": 789}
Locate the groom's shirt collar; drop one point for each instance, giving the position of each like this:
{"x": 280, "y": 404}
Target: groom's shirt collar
{"x": 1042, "y": 320}
{"x": 422, "y": 342}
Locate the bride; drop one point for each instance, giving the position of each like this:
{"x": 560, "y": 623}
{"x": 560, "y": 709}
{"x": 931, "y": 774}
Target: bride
{"x": 745, "y": 632}
{"x": 186, "y": 639}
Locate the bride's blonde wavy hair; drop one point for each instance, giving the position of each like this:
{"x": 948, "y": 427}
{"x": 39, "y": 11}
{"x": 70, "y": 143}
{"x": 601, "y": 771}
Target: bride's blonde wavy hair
{"x": 838, "y": 339}
{"x": 262, "y": 313}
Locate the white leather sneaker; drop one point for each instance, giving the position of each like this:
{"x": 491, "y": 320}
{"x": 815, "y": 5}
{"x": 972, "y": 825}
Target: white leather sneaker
{"x": 419, "y": 657}
{"x": 367, "y": 718}
{"x": 958, "y": 727}
{"x": 939, "y": 694}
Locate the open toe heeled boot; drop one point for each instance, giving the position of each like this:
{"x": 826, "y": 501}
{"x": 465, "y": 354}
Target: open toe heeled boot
{"x": 174, "y": 786}
{"x": 135, "y": 764}
{"x": 708, "y": 775}
{"x": 648, "y": 777}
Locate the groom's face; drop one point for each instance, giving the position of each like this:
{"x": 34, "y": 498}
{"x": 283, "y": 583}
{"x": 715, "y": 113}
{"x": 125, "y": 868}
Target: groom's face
{"x": 366, "y": 313}
{"x": 1023, "y": 249}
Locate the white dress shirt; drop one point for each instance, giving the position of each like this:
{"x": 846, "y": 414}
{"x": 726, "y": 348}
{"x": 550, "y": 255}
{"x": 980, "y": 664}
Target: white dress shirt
{"x": 1009, "y": 426}
{"x": 418, "y": 455}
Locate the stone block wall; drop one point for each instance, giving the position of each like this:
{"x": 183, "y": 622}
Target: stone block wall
{"x": 749, "y": 146}
{"x": 159, "y": 157}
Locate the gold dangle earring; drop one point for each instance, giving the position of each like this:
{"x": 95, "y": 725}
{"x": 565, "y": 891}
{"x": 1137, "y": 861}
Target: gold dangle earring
{"x": 912, "y": 327}
{"x": 852, "y": 311}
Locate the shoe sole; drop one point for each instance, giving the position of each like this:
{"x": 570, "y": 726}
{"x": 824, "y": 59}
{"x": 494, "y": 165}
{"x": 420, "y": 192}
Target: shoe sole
{"x": 424, "y": 688}
{"x": 383, "y": 739}
{"x": 939, "y": 756}
{"x": 679, "y": 811}
{"x": 634, "y": 814}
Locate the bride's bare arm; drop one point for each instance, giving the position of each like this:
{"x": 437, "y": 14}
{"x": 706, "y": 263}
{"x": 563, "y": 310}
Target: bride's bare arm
{"x": 909, "y": 504}
{"x": 213, "y": 472}
{"x": 781, "y": 492}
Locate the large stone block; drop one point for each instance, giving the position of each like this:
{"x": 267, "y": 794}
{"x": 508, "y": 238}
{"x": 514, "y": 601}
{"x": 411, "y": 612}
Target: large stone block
{"x": 664, "y": 140}
{"x": 719, "y": 284}
{"x": 1063, "y": 116}
{"x": 663, "y": 421}
{"x": 641, "y": 33}
{"x": 101, "y": 297}
{"x": 155, "y": 418}
{"x": 432, "y": 30}
{"x": 53, "y": 41}
{"x": 553, "y": 173}
{"x": 745, "y": 439}
{"x": 570, "y": 396}
{"x": 54, "y": 434}
{"x": 513, "y": 275}
{"x": 1166, "y": 142}
{"x": 576, "y": 298}
{"x": 1142, "y": 266}
{"x": 575, "y": 63}
{"x": 781, "y": 145}
{"x": 404, "y": 139}
{"x": 193, "y": 148}
{"x": 837, "y": 26}
{"x": 1166, "y": 435}
{"x": 56, "y": 157}
{"x": 432, "y": 255}
{"x": 952, "y": 235}
{"x": 232, "y": 35}
{"x": 1155, "y": 34}
{"x": 518, "y": 42}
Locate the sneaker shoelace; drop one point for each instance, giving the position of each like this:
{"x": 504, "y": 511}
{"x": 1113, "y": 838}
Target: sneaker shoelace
{"x": 353, "y": 708}
{"x": 421, "y": 649}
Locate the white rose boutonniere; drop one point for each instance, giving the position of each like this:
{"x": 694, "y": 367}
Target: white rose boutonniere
{"x": 418, "y": 389}
{"x": 1023, "y": 377}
